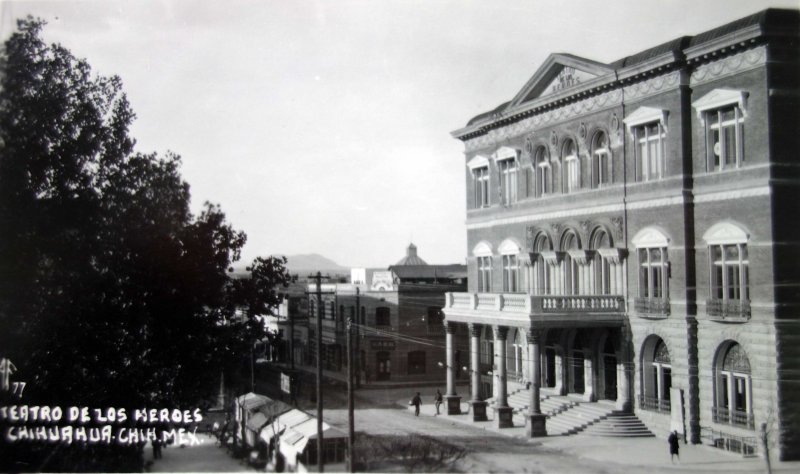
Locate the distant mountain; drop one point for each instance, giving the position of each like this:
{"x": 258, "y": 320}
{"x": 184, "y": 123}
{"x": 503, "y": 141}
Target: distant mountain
{"x": 313, "y": 262}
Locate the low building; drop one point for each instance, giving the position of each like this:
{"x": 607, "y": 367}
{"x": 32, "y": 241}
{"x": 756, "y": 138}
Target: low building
{"x": 397, "y": 320}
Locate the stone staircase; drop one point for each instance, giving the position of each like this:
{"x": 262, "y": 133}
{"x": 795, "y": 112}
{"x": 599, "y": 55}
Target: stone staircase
{"x": 569, "y": 415}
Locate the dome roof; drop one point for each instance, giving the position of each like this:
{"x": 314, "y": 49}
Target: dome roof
{"x": 411, "y": 257}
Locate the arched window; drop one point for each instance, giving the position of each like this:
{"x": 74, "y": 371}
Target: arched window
{"x": 656, "y": 375}
{"x": 732, "y": 387}
{"x": 544, "y": 172}
{"x": 572, "y": 166}
{"x": 543, "y": 274}
{"x": 570, "y": 265}
{"x": 603, "y": 280}
{"x": 601, "y": 160}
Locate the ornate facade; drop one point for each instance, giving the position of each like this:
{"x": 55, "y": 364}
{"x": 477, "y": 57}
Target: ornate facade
{"x": 630, "y": 237}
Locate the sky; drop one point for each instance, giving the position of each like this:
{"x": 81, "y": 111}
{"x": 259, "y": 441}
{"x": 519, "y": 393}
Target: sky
{"x": 324, "y": 126}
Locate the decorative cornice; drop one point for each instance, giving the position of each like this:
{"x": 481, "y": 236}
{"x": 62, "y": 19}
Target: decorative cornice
{"x": 656, "y": 85}
{"x": 591, "y": 104}
{"x": 746, "y": 60}
{"x": 735, "y": 194}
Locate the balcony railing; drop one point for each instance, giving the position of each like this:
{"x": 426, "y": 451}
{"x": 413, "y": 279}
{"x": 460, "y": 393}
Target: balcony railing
{"x": 724, "y": 415}
{"x": 654, "y": 404}
{"x": 652, "y": 307}
{"x": 744, "y": 445}
{"x": 728, "y": 310}
{"x": 524, "y": 303}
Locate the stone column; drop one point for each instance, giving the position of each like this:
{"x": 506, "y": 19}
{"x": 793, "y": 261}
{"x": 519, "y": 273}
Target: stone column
{"x": 502, "y": 412}
{"x": 624, "y": 372}
{"x": 589, "y": 361}
{"x": 478, "y": 405}
{"x": 536, "y": 425}
{"x": 451, "y": 398}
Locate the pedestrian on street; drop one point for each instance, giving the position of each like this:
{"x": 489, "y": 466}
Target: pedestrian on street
{"x": 438, "y": 400}
{"x": 416, "y": 401}
{"x": 674, "y": 446}
{"x": 156, "y": 443}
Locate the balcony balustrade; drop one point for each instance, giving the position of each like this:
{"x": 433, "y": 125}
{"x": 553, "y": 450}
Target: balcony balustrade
{"x": 652, "y": 307}
{"x": 536, "y": 304}
{"x": 654, "y": 404}
{"x": 728, "y": 310}
{"x": 724, "y": 415}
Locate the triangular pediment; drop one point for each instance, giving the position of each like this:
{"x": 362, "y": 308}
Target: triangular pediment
{"x": 560, "y": 72}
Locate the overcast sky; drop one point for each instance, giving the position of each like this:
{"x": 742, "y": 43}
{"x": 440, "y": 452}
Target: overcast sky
{"x": 324, "y": 126}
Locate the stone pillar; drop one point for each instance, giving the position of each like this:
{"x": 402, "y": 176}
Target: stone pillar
{"x": 536, "y": 425}
{"x": 588, "y": 374}
{"x": 477, "y": 403}
{"x": 502, "y": 412}
{"x": 451, "y": 398}
{"x": 624, "y": 374}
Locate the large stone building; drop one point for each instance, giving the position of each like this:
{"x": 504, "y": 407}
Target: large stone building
{"x": 399, "y": 330}
{"x": 631, "y": 239}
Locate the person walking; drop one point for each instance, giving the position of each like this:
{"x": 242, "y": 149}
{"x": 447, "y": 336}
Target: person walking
{"x": 438, "y": 400}
{"x": 416, "y": 401}
{"x": 674, "y": 446}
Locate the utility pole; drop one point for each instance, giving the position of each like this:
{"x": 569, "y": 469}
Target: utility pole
{"x": 351, "y": 436}
{"x": 357, "y": 349}
{"x": 320, "y": 453}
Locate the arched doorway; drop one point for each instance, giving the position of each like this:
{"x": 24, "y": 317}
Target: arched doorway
{"x": 733, "y": 401}
{"x": 609, "y": 367}
{"x": 656, "y": 375}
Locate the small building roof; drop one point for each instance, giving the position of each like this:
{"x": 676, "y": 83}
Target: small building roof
{"x": 411, "y": 257}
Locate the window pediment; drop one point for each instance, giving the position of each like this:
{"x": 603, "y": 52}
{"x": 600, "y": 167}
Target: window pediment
{"x": 650, "y": 237}
{"x": 720, "y": 98}
{"x": 644, "y": 115}
{"x": 725, "y": 233}
{"x": 509, "y": 247}
{"x": 505, "y": 153}
{"x": 478, "y": 161}
{"x": 483, "y": 249}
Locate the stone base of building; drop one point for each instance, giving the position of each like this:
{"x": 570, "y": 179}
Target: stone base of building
{"x": 536, "y": 425}
{"x": 479, "y": 410}
{"x": 453, "y": 404}
{"x": 503, "y": 417}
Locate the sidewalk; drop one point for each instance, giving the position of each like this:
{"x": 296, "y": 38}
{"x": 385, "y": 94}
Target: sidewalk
{"x": 205, "y": 457}
{"x": 630, "y": 454}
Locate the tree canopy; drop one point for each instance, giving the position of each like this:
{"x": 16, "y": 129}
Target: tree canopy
{"x": 112, "y": 293}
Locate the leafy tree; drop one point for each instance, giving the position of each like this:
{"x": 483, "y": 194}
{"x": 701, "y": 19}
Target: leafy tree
{"x": 112, "y": 293}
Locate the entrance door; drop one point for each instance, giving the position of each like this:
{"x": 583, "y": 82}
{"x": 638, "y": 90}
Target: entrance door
{"x": 384, "y": 364}
{"x": 610, "y": 377}
{"x": 549, "y": 367}
{"x": 577, "y": 372}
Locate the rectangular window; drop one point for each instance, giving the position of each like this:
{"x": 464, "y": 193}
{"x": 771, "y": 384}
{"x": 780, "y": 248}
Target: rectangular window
{"x": 649, "y": 149}
{"x": 481, "y": 176}
{"x": 653, "y": 282}
{"x": 416, "y": 362}
{"x": 729, "y": 272}
{"x": 484, "y": 274}
{"x": 383, "y": 316}
{"x": 724, "y": 138}
{"x": 510, "y": 274}
{"x": 508, "y": 180}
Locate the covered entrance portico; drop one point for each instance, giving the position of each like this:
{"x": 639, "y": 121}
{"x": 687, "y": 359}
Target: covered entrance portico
{"x": 569, "y": 344}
